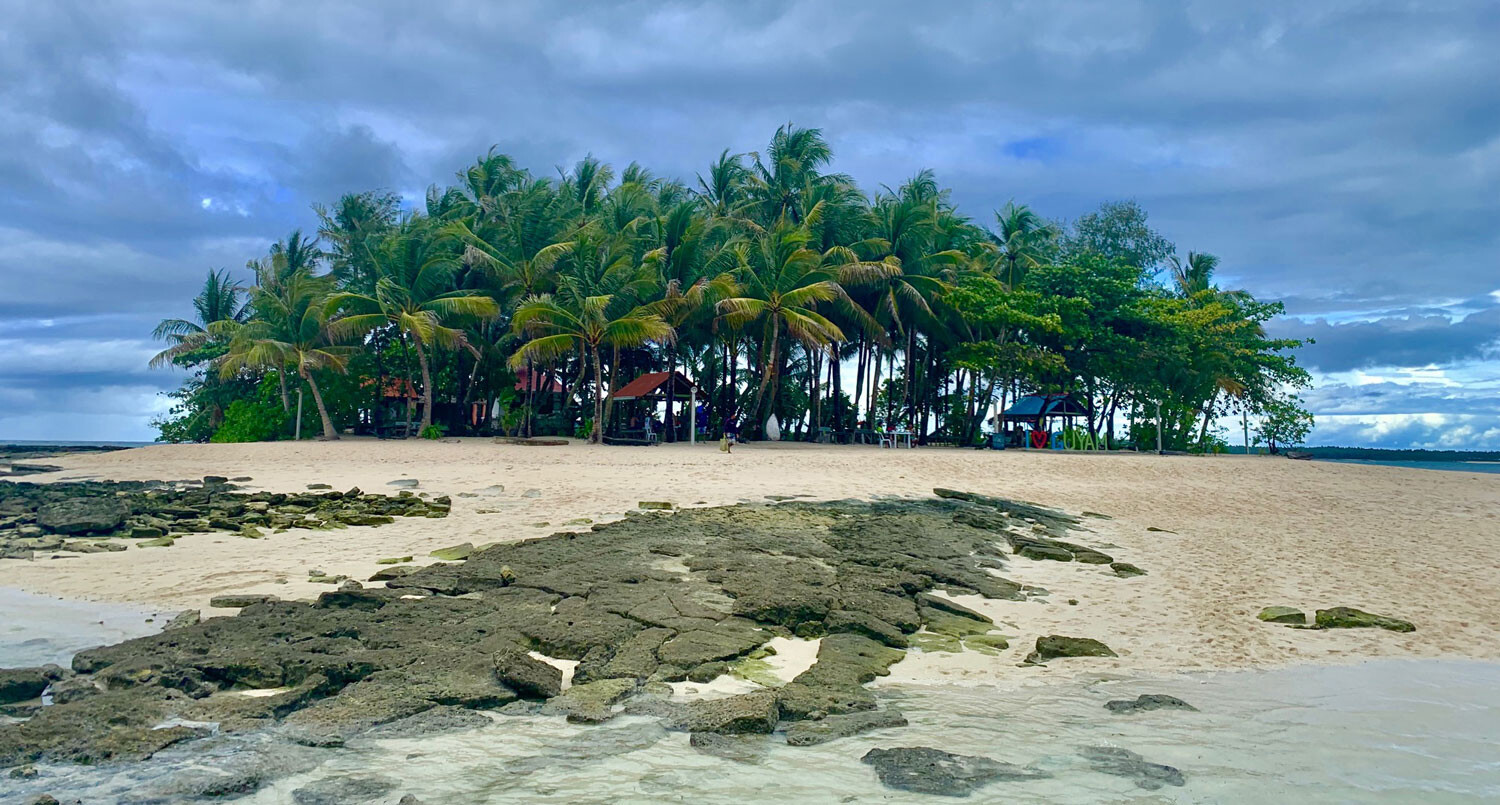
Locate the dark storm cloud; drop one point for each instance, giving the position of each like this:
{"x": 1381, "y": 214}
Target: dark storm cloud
{"x": 1432, "y": 339}
{"x": 1342, "y": 154}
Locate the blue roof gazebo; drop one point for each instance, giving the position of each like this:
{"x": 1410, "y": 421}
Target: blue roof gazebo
{"x": 1038, "y": 407}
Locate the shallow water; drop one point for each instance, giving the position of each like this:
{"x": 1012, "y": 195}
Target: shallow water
{"x": 1389, "y": 731}
{"x": 36, "y": 629}
{"x": 1381, "y": 732}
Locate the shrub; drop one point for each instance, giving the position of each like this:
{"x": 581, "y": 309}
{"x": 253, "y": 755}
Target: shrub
{"x": 252, "y": 421}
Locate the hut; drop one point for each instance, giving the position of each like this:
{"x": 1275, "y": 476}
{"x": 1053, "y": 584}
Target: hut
{"x": 641, "y": 397}
{"x": 1030, "y": 418}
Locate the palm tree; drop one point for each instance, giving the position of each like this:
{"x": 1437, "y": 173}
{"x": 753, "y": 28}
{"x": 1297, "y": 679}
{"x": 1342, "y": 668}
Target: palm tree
{"x": 724, "y": 191}
{"x": 415, "y": 293}
{"x": 781, "y": 282}
{"x": 1022, "y": 238}
{"x": 295, "y": 254}
{"x": 790, "y": 169}
{"x": 220, "y": 299}
{"x": 1196, "y": 277}
{"x": 595, "y": 307}
{"x": 289, "y": 329}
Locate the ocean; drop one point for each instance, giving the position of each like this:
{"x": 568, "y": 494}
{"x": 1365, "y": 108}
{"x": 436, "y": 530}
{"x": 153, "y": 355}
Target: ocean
{"x": 1446, "y": 466}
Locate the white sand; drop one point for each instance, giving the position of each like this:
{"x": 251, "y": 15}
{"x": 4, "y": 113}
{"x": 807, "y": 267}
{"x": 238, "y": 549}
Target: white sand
{"x": 1250, "y": 532}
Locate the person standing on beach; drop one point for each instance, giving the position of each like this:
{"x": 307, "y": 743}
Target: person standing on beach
{"x": 731, "y": 434}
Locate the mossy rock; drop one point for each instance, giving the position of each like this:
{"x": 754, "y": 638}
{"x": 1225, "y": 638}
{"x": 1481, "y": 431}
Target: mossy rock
{"x": 159, "y": 542}
{"x": 591, "y": 702}
{"x": 991, "y": 644}
{"x": 757, "y": 671}
{"x": 1055, "y": 646}
{"x": 951, "y": 607}
{"x": 862, "y": 623}
{"x": 654, "y": 505}
{"x": 394, "y": 560}
{"x": 754, "y": 713}
{"x": 388, "y": 573}
{"x": 932, "y": 642}
{"x": 1089, "y": 556}
{"x": 454, "y": 553}
{"x": 1289, "y": 615}
{"x": 1052, "y": 552}
{"x": 952, "y": 625}
{"x": 1351, "y": 618}
{"x": 1126, "y": 570}
{"x": 251, "y": 532}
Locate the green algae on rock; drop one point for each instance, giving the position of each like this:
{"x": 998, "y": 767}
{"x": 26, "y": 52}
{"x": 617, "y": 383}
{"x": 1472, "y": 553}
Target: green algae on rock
{"x": 1055, "y": 646}
{"x": 1290, "y": 615}
{"x": 1351, "y": 618}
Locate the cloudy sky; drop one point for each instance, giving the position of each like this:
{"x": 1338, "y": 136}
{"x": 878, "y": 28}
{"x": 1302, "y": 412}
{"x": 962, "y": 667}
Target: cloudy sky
{"x": 1342, "y": 156}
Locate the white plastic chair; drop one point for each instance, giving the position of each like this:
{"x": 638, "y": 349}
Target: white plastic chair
{"x": 887, "y": 440}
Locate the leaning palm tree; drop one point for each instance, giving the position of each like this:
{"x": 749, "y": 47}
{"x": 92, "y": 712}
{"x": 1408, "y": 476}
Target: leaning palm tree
{"x": 220, "y": 299}
{"x": 415, "y": 293}
{"x": 289, "y": 330}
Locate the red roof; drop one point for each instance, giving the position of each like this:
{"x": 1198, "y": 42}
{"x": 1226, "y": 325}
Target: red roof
{"x": 396, "y": 387}
{"x": 651, "y": 382}
{"x": 540, "y": 381}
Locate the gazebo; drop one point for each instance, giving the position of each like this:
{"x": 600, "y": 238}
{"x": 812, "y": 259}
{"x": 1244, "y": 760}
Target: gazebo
{"x": 1036, "y": 410}
{"x": 647, "y": 391}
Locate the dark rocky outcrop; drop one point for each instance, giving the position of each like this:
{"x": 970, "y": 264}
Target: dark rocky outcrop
{"x": 1351, "y": 618}
{"x": 1125, "y": 763}
{"x": 746, "y": 713}
{"x": 1148, "y": 701}
{"x": 83, "y": 515}
{"x": 343, "y": 791}
{"x": 925, "y": 770}
{"x": 526, "y": 675}
{"x": 455, "y": 634}
{"x": 1126, "y": 570}
{"x": 809, "y": 733}
{"x": 36, "y": 517}
{"x": 740, "y": 748}
{"x": 1054, "y": 646}
{"x": 20, "y": 684}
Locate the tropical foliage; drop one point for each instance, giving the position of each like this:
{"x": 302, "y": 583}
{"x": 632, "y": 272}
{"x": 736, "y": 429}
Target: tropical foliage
{"x": 778, "y": 287}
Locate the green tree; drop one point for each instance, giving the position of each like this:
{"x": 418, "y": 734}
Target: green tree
{"x": 1284, "y": 423}
{"x": 289, "y": 329}
{"x": 415, "y": 293}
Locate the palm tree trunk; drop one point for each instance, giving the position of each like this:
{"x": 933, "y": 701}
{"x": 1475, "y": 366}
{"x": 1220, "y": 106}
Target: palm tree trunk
{"x": 286, "y": 401}
{"x": 1208, "y": 412}
{"x": 767, "y": 370}
{"x": 614, "y": 374}
{"x": 329, "y": 434}
{"x": 426, "y": 384}
{"x": 597, "y": 434}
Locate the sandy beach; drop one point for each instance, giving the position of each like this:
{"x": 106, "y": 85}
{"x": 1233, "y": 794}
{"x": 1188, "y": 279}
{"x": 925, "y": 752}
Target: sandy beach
{"x": 1240, "y": 533}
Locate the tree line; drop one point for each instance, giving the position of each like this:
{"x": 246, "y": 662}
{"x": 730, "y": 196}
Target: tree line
{"x": 777, "y": 286}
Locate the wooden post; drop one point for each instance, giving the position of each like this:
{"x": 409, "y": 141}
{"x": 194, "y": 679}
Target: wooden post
{"x": 298, "y": 436}
{"x": 693, "y": 415}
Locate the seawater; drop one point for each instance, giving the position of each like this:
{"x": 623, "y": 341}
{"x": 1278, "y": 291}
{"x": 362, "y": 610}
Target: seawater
{"x": 1447, "y": 466}
{"x": 37, "y": 630}
{"x": 1381, "y": 732}
{"x": 1387, "y": 731}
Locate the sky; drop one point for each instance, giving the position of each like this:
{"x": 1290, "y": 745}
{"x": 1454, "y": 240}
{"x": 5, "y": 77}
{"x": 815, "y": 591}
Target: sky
{"x": 1341, "y": 156}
